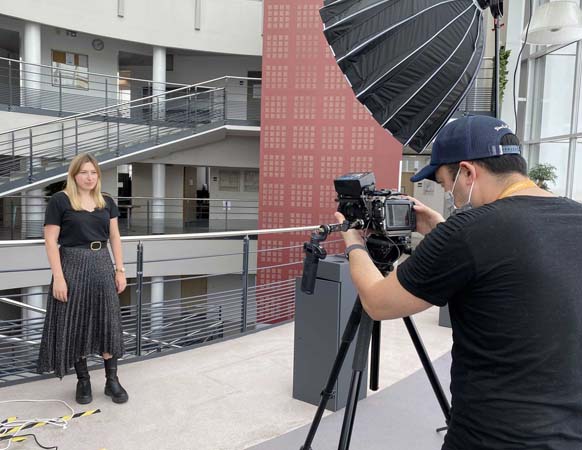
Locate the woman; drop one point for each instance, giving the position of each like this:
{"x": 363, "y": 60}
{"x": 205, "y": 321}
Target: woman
{"x": 83, "y": 316}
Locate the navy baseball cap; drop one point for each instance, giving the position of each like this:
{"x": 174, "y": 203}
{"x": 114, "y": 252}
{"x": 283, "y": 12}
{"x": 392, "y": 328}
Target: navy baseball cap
{"x": 465, "y": 139}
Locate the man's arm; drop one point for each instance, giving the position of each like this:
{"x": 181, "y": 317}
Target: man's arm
{"x": 382, "y": 297}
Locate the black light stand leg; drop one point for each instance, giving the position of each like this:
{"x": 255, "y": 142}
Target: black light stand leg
{"x": 328, "y": 392}
{"x": 358, "y": 367}
{"x": 375, "y": 357}
{"x": 428, "y": 368}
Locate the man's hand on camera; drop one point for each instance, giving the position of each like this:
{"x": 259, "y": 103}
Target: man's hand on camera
{"x": 426, "y": 218}
{"x": 351, "y": 237}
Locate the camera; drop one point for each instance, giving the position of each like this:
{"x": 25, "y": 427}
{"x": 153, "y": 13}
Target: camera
{"x": 384, "y": 212}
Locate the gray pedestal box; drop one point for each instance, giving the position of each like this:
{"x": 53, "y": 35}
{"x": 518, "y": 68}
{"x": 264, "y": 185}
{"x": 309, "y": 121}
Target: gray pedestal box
{"x": 320, "y": 320}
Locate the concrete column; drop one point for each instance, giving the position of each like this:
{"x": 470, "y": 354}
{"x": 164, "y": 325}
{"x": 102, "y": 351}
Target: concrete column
{"x": 159, "y": 81}
{"x": 513, "y": 24}
{"x": 157, "y": 302}
{"x": 30, "y": 74}
{"x": 33, "y": 297}
{"x": 158, "y": 192}
{"x": 33, "y": 206}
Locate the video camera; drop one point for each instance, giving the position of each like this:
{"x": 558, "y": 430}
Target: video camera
{"x": 383, "y": 212}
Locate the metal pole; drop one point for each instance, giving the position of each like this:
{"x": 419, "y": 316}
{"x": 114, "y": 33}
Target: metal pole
{"x": 118, "y": 132}
{"x": 139, "y": 292}
{"x": 496, "y": 89}
{"x": 106, "y": 95}
{"x": 30, "y": 155}
{"x": 13, "y": 143}
{"x": 76, "y": 137}
{"x": 9, "y": 85}
{"x": 148, "y": 217}
{"x": 63, "y": 141}
{"x": 60, "y": 94}
{"x": 245, "y": 283}
{"x": 158, "y": 118}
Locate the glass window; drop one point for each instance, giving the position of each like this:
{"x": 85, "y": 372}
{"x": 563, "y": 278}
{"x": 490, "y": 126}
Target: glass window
{"x": 555, "y": 73}
{"x": 577, "y": 189}
{"x": 556, "y": 154}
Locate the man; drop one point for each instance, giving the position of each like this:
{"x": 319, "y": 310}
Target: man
{"x": 510, "y": 269}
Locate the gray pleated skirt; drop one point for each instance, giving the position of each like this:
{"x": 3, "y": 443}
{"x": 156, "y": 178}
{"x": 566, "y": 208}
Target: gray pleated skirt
{"x": 90, "y": 321}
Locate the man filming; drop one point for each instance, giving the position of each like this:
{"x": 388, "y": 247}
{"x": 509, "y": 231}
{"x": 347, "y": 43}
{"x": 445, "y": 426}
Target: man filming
{"x": 508, "y": 263}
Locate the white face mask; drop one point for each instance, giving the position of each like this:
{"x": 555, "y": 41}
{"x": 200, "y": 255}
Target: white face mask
{"x": 450, "y": 198}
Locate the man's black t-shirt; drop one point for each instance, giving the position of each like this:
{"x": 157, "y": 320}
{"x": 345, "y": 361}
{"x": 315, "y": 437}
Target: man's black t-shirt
{"x": 79, "y": 227}
{"x": 511, "y": 273}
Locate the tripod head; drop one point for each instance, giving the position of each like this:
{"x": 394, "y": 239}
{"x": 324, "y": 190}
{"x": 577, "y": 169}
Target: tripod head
{"x": 383, "y": 250}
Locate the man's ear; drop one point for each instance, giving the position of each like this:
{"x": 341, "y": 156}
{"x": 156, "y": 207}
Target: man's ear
{"x": 469, "y": 170}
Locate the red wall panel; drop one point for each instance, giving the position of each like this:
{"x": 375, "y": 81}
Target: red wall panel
{"x": 312, "y": 130}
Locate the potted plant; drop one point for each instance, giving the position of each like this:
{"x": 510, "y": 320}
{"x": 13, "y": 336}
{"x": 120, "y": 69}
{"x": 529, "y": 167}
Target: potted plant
{"x": 542, "y": 174}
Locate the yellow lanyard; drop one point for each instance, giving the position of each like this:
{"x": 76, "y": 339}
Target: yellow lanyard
{"x": 515, "y": 187}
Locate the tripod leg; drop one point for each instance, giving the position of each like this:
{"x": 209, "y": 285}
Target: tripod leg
{"x": 328, "y": 391}
{"x": 359, "y": 364}
{"x": 428, "y": 368}
{"x": 375, "y": 356}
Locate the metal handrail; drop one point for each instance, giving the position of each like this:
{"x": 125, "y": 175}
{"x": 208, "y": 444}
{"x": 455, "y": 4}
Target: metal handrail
{"x": 97, "y": 74}
{"x": 175, "y": 237}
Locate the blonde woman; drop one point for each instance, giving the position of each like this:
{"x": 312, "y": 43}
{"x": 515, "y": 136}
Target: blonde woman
{"x": 83, "y": 316}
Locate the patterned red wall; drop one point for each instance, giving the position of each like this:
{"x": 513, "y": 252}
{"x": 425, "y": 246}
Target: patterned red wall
{"x": 312, "y": 130}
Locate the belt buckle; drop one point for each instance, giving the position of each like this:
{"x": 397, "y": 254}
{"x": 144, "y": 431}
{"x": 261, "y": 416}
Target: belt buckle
{"x": 95, "y": 245}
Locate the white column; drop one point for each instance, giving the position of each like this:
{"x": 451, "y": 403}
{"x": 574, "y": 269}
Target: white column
{"x": 159, "y": 81}
{"x": 32, "y": 214}
{"x": 158, "y": 192}
{"x": 33, "y": 297}
{"x": 157, "y": 302}
{"x": 513, "y": 25}
{"x": 30, "y": 74}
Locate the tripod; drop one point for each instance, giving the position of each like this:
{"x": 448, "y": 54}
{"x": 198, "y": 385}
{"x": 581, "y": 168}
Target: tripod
{"x": 368, "y": 331}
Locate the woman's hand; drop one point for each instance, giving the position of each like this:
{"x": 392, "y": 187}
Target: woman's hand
{"x": 120, "y": 282}
{"x": 351, "y": 236}
{"x": 426, "y": 218}
{"x": 60, "y": 289}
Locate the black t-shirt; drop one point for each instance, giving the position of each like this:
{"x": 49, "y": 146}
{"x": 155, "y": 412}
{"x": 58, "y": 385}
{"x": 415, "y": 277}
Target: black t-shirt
{"x": 511, "y": 273}
{"x": 79, "y": 227}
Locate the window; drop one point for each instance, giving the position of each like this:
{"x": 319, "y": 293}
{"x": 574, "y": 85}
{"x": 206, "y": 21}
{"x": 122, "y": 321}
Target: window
{"x": 70, "y": 70}
{"x": 229, "y": 180}
{"x": 251, "y": 180}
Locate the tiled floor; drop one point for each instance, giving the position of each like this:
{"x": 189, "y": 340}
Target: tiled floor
{"x": 225, "y": 396}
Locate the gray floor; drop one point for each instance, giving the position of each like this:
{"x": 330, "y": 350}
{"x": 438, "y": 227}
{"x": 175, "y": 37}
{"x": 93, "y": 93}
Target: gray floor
{"x": 227, "y": 396}
{"x": 403, "y": 416}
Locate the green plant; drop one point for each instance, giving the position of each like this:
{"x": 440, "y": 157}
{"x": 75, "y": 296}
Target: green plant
{"x": 542, "y": 174}
{"x": 503, "y": 61}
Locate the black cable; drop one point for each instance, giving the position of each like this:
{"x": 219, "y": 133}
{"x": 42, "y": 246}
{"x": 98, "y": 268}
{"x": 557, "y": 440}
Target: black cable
{"x": 518, "y": 63}
{"x": 37, "y": 443}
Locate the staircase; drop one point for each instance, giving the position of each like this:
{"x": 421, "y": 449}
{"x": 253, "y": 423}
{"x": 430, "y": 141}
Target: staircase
{"x": 37, "y": 155}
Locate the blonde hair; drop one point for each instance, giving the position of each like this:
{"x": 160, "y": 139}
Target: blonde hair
{"x": 71, "y": 186}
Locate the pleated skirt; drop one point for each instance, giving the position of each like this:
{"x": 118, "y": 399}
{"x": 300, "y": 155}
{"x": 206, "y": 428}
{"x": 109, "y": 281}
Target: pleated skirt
{"x": 90, "y": 321}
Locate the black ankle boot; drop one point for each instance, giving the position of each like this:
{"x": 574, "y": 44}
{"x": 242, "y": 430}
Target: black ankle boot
{"x": 112, "y": 386}
{"x": 83, "y": 393}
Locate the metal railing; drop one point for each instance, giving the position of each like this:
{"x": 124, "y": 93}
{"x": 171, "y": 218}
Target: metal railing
{"x": 481, "y": 97}
{"x": 39, "y": 88}
{"x": 38, "y": 153}
{"x": 22, "y": 216}
{"x": 153, "y": 326}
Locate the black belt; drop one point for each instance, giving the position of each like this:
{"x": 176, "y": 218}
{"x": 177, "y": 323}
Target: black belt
{"x": 95, "y": 245}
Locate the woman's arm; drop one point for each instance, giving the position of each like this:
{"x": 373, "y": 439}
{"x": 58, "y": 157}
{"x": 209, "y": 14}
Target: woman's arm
{"x": 115, "y": 240}
{"x": 51, "y": 237}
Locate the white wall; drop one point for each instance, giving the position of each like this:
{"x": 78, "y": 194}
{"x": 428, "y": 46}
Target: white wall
{"x": 227, "y": 26}
{"x": 233, "y": 151}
